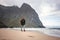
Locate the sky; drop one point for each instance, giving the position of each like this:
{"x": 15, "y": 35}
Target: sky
{"x": 48, "y": 10}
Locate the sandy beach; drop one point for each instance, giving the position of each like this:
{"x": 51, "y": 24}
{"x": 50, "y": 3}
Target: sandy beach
{"x": 9, "y": 34}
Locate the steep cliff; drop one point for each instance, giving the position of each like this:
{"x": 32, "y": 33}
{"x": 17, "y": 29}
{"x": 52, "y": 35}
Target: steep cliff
{"x": 11, "y": 16}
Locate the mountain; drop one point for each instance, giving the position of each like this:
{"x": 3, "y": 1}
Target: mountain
{"x": 11, "y": 16}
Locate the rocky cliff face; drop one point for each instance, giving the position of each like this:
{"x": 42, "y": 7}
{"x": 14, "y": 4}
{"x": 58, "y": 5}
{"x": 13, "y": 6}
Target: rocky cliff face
{"x": 11, "y": 16}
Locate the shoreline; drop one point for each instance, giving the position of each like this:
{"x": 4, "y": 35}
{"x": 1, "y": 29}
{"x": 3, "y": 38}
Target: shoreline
{"x": 10, "y": 34}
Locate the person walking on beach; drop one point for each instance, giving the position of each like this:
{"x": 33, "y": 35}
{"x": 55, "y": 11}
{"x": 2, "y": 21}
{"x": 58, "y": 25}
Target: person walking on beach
{"x": 23, "y": 24}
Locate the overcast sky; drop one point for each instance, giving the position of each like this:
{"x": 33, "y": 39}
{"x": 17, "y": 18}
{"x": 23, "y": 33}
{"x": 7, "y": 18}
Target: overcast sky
{"x": 48, "y": 10}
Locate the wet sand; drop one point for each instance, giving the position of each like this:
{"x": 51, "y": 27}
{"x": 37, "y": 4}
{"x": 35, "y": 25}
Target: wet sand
{"x": 9, "y": 34}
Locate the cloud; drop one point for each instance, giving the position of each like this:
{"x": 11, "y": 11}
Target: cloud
{"x": 11, "y": 2}
{"x": 48, "y": 10}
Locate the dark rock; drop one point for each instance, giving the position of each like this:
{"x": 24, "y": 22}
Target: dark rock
{"x": 11, "y": 16}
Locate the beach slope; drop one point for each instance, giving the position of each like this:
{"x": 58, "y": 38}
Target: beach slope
{"x": 9, "y": 34}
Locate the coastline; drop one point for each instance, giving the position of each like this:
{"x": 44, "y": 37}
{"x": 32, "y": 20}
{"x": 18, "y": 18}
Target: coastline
{"x": 10, "y": 34}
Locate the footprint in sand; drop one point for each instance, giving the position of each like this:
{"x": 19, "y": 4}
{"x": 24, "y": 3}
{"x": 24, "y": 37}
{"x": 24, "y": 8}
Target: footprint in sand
{"x": 4, "y": 39}
{"x": 31, "y": 36}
